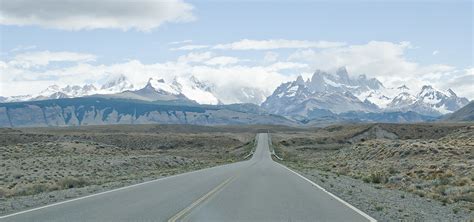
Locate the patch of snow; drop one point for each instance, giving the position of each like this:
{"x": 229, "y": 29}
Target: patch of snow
{"x": 331, "y": 83}
{"x": 195, "y": 90}
{"x": 442, "y": 109}
{"x": 160, "y": 85}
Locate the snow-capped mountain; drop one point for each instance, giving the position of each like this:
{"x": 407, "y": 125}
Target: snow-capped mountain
{"x": 116, "y": 84}
{"x": 338, "y": 93}
{"x": 155, "y": 90}
{"x": 182, "y": 89}
{"x": 429, "y": 101}
{"x": 341, "y": 82}
{"x": 56, "y": 92}
{"x": 196, "y": 90}
{"x": 324, "y": 91}
{"x": 119, "y": 86}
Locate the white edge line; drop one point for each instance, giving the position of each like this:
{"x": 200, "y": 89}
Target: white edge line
{"x": 110, "y": 191}
{"x": 371, "y": 219}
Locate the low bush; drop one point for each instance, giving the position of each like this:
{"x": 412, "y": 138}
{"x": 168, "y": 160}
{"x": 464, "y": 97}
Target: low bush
{"x": 68, "y": 183}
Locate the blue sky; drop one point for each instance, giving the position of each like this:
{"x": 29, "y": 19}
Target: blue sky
{"x": 428, "y": 41}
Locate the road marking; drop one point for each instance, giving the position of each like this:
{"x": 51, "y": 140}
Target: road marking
{"x": 206, "y": 196}
{"x": 371, "y": 219}
{"x": 109, "y": 191}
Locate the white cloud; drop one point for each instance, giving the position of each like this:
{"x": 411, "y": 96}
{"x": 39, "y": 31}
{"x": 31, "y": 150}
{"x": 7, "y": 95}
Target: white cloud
{"x": 224, "y": 72}
{"x": 180, "y": 42}
{"x": 190, "y": 47}
{"x": 374, "y": 59}
{"x": 43, "y": 58}
{"x": 270, "y": 57}
{"x": 459, "y": 80}
{"x": 222, "y": 61}
{"x": 23, "y": 48}
{"x": 249, "y": 44}
{"x": 195, "y": 57}
{"x": 143, "y": 15}
{"x": 384, "y": 60}
{"x": 278, "y": 66}
{"x": 387, "y": 62}
{"x": 435, "y": 52}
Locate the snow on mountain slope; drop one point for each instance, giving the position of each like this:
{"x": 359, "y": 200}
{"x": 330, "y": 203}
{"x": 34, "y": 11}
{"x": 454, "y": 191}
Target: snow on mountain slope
{"x": 183, "y": 89}
{"x": 195, "y": 90}
{"x": 338, "y": 92}
{"x": 116, "y": 84}
{"x": 300, "y": 98}
{"x": 428, "y": 101}
{"x": 161, "y": 86}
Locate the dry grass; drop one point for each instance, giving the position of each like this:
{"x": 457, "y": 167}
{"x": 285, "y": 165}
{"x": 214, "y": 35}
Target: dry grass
{"x": 437, "y": 161}
{"x": 46, "y": 159}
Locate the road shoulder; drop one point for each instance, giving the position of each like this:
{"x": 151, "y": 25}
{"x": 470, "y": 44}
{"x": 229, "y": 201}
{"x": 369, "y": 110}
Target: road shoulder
{"x": 381, "y": 203}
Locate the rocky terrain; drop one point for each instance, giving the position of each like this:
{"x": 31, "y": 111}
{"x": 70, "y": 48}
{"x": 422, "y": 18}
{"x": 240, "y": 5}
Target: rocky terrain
{"x": 338, "y": 93}
{"x": 45, "y": 165}
{"x": 422, "y": 171}
{"x": 107, "y": 111}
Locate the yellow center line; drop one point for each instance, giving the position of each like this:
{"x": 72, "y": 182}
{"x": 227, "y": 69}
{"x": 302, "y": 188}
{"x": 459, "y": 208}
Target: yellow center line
{"x": 206, "y": 196}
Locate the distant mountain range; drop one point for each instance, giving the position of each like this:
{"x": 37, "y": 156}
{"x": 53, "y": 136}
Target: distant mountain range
{"x": 464, "y": 114}
{"x": 324, "y": 98}
{"x": 190, "y": 89}
{"x": 338, "y": 93}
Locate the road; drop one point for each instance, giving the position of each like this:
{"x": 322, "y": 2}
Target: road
{"x": 258, "y": 189}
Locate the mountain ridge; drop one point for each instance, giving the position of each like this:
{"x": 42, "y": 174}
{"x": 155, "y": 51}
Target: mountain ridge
{"x": 340, "y": 93}
{"x": 337, "y": 92}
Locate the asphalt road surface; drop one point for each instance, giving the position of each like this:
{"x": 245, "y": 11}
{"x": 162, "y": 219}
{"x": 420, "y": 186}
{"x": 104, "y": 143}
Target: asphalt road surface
{"x": 258, "y": 189}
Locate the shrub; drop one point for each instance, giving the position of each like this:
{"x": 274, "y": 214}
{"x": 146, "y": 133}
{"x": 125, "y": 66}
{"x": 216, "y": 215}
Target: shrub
{"x": 366, "y": 179}
{"x": 3, "y": 192}
{"x": 376, "y": 177}
{"x": 68, "y": 183}
{"x": 455, "y": 210}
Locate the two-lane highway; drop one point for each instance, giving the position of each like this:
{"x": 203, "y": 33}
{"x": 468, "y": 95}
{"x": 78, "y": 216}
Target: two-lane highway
{"x": 255, "y": 190}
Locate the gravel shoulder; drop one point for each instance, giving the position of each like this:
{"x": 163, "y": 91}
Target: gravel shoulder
{"x": 407, "y": 172}
{"x": 385, "y": 204}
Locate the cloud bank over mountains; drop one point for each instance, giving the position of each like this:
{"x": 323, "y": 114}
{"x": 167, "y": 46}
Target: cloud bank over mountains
{"x": 31, "y": 71}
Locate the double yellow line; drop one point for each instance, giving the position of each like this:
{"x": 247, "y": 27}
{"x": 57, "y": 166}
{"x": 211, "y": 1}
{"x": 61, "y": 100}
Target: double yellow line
{"x": 180, "y": 215}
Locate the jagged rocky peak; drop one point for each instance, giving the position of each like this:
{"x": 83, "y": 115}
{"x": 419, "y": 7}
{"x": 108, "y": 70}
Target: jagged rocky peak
{"x": 338, "y": 91}
{"x": 403, "y": 88}
{"x": 70, "y": 88}
{"x": 200, "y": 84}
{"x": 429, "y": 91}
{"x": 177, "y": 84}
{"x": 343, "y": 75}
{"x": 154, "y": 82}
{"x": 427, "y": 87}
{"x": 159, "y": 85}
{"x": 300, "y": 80}
{"x": 362, "y": 78}
{"x": 89, "y": 87}
{"x": 317, "y": 82}
{"x": 452, "y": 93}
{"x": 52, "y": 88}
{"x": 117, "y": 83}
